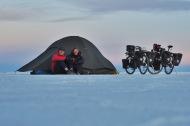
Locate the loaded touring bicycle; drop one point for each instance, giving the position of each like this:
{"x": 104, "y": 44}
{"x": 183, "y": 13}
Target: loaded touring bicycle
{"x": 135, "y": 58}
{"x": 152, "y": 61}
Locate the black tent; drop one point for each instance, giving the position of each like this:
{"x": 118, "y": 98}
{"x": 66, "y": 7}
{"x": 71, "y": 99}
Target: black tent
{"x": 94, "y": 61}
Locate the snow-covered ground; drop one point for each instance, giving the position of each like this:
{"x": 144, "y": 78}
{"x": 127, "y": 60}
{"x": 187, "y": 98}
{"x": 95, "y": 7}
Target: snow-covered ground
{"x": 118, "y": 100}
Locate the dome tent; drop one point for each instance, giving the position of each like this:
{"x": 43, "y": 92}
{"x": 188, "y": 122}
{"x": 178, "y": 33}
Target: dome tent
{"x": 94, "y": 61}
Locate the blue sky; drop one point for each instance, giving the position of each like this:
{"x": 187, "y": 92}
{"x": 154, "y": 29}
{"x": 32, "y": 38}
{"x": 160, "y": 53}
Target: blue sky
{"x": 28, "y": 27}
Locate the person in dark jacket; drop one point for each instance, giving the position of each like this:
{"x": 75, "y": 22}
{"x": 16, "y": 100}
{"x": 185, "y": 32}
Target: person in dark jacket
{"x": 59, "y": 62}
{"x": 76, "y": 61}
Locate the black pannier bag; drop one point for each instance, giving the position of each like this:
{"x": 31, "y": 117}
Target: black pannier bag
{"x": 166, "y": 56}
{"x": 156, "y": 65}
{"x": 130, "y": 48}
{"x": 125, "y": 63}
{"x": 139, "y": 54}
{"x": 156, "y": 47}
{"x": 177, "y": 58}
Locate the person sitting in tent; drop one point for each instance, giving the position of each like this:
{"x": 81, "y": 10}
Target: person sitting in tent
{"x": 76, "y": 61}
{"x": 59, "y": 62}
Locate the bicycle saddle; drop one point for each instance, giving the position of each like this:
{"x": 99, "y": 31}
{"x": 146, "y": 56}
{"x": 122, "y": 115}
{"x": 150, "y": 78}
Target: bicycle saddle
{"x": 170, "y": 46}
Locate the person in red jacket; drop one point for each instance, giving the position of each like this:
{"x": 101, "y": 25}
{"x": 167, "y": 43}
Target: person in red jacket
{"x": 59, "y": 62}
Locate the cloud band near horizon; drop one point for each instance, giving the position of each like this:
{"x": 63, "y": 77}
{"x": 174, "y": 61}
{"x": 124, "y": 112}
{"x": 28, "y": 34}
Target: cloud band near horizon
{"x": 61, "y": 10}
